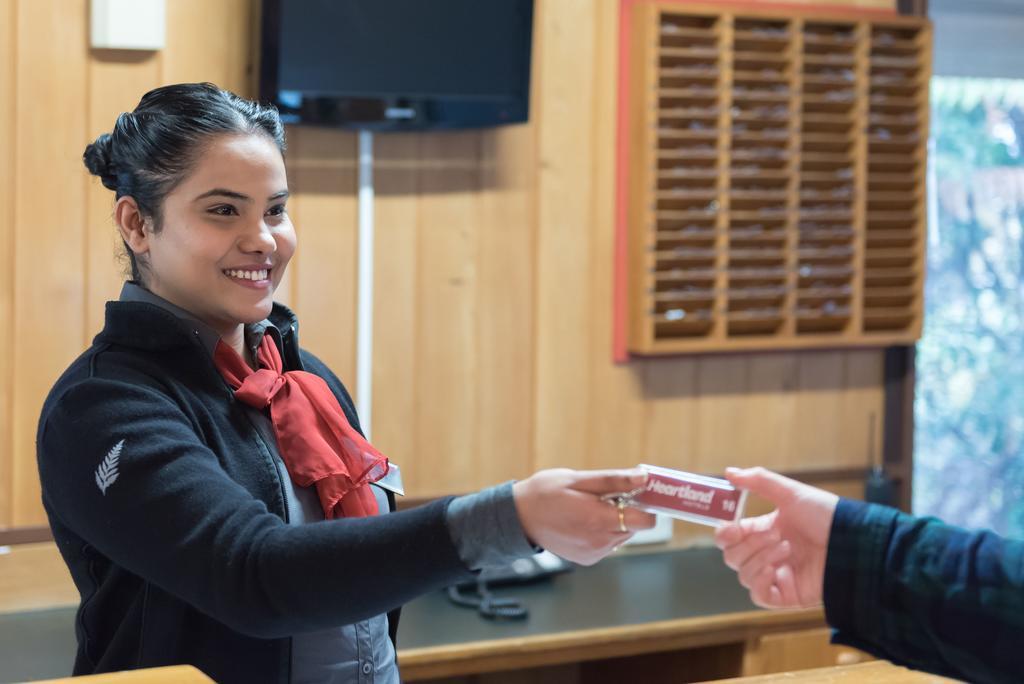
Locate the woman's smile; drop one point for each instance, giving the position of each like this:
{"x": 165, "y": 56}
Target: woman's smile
{"x": 255, "y": 277}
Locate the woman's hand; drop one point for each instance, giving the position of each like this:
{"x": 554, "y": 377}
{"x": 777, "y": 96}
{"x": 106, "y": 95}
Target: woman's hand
{"x": 562, "y": 511}
{"x": 780, "y": 557}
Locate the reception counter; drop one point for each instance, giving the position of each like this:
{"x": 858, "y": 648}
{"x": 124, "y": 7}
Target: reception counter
{"x": 877, "y": 672}
{"x": 664, "y": 616}
{"x": 176, "y": 674}
{"x": 674, "y": 616}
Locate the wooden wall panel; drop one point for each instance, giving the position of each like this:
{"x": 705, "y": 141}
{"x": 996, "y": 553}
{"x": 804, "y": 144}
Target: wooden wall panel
{"x": 842, "y": 4}
{"x": 395, "y": 382}
{"x": 670, "y": 419}
{"x": 209, "y": 41}
{"x": 819, "y": 405}
{"x": 563, "y": 62}
{"x": 49, "y": 231}
{"x": 8, "y": 189}
{"x": 616, "y": 424}
{"x": 494, "y": 253}
{"x": 721, "y": 408}
{"x": 767, "y": 434}
{"x": 860, "y": 430}
{"x": 61, "y": 257}
{"x": 116, "y": 81}
{"x": 205, "y": 42}
{"x": 504, "y": 326}
{"x": 446, "y": 312}
{"x": 34, "y": 577}
{"x": 789, "y": 411}
{"x": 323, "y": 269}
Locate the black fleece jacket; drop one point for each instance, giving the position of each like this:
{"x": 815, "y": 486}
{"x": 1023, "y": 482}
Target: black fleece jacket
{"x": 168, "y": 509}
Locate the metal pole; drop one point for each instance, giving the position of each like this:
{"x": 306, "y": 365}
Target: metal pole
{"x": 364, "y": 303}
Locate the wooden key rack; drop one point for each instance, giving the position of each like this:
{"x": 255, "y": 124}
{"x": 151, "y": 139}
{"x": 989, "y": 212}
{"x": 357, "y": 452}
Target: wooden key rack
{"x": 776, "y": 182}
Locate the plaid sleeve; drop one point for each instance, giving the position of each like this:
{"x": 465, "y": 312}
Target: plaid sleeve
{"x": 924, "y": 594}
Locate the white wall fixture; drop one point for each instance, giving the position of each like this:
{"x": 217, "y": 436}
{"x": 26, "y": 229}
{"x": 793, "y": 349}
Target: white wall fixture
{"x": 128, "y": 24}
{"x": 364, "y": 298}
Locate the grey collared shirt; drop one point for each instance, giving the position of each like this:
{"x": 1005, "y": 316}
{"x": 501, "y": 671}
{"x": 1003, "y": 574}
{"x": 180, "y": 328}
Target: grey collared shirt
{"x": 485, "y": 529}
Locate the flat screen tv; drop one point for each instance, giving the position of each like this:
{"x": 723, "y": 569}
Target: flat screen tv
{"x": 397, "y": 64}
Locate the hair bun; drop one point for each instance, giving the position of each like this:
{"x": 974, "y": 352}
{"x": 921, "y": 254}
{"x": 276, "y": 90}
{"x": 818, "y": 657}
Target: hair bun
{"x": 98, "y": 160}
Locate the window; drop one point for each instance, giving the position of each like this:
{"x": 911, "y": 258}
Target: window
{"x": 969, "y": 406}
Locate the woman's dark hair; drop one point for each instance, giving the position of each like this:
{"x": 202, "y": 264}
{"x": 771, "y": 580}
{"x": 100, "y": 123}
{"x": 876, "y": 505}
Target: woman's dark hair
{"x": 152, "y": 148}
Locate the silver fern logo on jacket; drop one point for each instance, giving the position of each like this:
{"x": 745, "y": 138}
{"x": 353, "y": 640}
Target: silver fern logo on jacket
{"x": 106, "y": 472}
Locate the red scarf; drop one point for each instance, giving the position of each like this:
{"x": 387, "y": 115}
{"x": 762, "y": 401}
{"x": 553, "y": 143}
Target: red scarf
{"x": 316, "y": 442}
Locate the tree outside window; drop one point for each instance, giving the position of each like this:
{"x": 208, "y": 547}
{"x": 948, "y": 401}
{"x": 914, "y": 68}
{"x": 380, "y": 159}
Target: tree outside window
{"x": 969, "y": 408}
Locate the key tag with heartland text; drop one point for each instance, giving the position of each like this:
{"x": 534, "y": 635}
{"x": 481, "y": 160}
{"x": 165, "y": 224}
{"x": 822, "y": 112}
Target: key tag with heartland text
{"x": 686, "y": 496}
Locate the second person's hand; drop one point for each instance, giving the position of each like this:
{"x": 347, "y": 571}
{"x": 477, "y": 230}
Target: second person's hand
{"x": 562, "y": 511}
{"x": 780, "y": 557}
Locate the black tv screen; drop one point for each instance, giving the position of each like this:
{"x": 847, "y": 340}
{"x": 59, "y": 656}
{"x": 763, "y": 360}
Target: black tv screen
{"x": 397, "y": 64}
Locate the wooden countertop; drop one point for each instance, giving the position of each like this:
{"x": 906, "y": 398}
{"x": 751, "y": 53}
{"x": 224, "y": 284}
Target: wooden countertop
{"x": 625, "y": 605}
{"x": 633, "y": 603}
{"x": 175, "y": 674}
{"x": 877, "y": 672}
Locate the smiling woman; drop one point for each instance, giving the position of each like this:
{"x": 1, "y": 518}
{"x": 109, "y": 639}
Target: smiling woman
{"x": 201, "y": 202}
{"x": 214, "y": 240}
{"x": 187, "y": 454}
